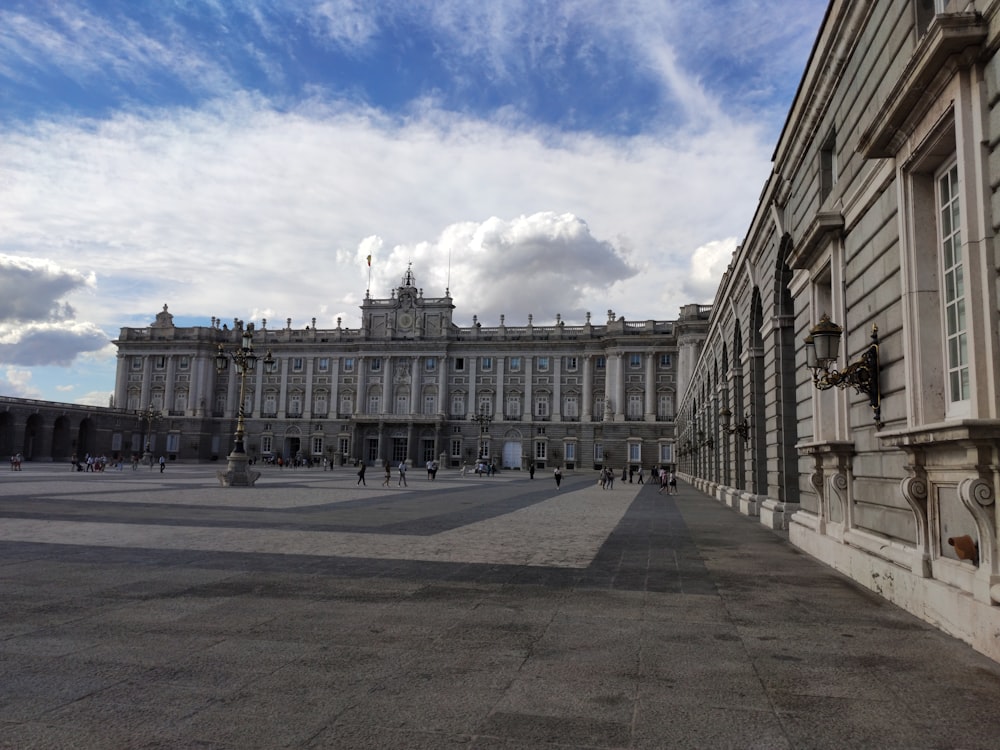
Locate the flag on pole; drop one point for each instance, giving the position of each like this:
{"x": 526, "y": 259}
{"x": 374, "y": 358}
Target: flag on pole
{"x": 369, "y": 261}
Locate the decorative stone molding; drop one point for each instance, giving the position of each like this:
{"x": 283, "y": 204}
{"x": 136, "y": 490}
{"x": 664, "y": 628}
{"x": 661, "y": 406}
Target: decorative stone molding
{"x": 915, "y": 492}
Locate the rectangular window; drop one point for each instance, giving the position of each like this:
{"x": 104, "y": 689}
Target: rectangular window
{"x": 265, "y": 444}
{"x": 541, "y": 406}
{"x": 183, "y": 363}
{"x": 136, "y": 363}
{"x": 956, "y": 329}
{"x": 571, "y": 363}
{"x": 665, "y": 361}
{"x": 317, "y": 446}
{"x": 346, "y": 406}
{"x": 666, "y": 453}
{"x": 600, "y": 363}
{"x": 430, "y": 364}
{"x": 487, "y": 363}
{"x": 324, "y": 364}
{"x": 376, "y": 364}
{"x": 430, "y": 404}
{"x": 485, "y": 404}
{"x": 297, "y": 364}
{"x": 634, "y": 453}
{"x": 569, "y": 449}
{"x": 348, "y": 364}
{"x": 159, "y": 362}
{"x": 635, "y": 401}
{"x": 635, "y": 360}
{"x": 513, "y": 407}
{"x": 571, "y": 407}
{"x": 456, "y": 447}
{"x": 541, "y": 450}
{"x": 598, "y": 453}
{"x": 374, "y": 404}
{"x": 458, "y": 405}
{"x": 173, "y": 442}
{"x": 543, "y": 364}
{"x": 515, "y": 364}
{"x": 343, "y": 445}
{"x": 459, "y": 364}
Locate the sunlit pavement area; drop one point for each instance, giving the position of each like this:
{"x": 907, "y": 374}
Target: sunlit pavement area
{"x": 148, "y": 610}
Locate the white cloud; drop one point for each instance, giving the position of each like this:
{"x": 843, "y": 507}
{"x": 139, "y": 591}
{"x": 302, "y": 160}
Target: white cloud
{"x": 708, "y": 263}
{"x": 236, "y": 206}
{"x": 16, "y": 382}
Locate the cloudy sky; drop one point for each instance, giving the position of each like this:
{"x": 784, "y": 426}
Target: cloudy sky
{"x": 241, "y": 158}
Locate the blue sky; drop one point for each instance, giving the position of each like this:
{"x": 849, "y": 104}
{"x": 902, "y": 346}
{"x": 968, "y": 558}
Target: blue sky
{"x": 240, "y": 159}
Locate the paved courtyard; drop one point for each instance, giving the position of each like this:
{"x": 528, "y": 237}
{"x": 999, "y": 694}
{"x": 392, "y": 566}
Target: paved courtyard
{"x": 148, "y": 610}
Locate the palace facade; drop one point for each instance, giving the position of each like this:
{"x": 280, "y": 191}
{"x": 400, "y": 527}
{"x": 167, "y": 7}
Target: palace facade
{"x": 411, "y": 385}
{"x": 876, "y": 230}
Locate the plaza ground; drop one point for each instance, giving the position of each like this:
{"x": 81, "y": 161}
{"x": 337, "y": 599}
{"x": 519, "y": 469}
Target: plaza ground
{"x": 148, "y": 610}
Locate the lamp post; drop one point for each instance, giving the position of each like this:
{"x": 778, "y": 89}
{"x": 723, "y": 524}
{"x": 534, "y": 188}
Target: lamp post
{"x": 147, "y": 416}
{"x": 483, "y": 419}
{"x": 238, "y": 473}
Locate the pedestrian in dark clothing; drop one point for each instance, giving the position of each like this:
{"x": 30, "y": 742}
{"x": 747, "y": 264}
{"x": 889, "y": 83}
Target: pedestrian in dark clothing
{"x": 558, "y": 476}
{"x": 361, "y": 475}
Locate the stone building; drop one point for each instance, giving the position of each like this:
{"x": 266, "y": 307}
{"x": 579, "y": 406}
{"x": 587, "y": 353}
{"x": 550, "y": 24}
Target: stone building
{"x": 878, "y": 219}
{"x": 409, "y": 384}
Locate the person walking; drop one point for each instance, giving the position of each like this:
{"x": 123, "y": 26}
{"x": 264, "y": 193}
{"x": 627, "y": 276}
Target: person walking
{"x": 361, "y": 475}
{"x": 558, "y": 475}
{"x": 163, "y": 463}
{"x": 638, "y": 475}
{"x": 673, "y": 483}
{"x": 388, "y": 475}
{"x": 402, "y": 474}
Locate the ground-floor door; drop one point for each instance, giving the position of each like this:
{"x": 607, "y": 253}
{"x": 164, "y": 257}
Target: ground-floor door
{"x": 512, "y": 455}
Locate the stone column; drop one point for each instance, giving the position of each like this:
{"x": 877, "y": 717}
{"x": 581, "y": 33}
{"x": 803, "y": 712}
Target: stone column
{"x": 473, "y": 406}
{"x": 388, "y": 397}
{"x": 307, "y": 407}
{"x": 443, "y": 394}
{"x": 334, "y": 408}
{"x": 650, "y": 415}
{"x": 147, "y": 379}
{"x": 529, "y": 407}
{"x": 587, "y": 407}
{"x": 121, "y": 382}
{"x": 557, "y": 388}
{"x": 168, "y": 386}
{"x": 360, "y": 407}
{"x": 498, "y": 410}
{"x": 415, "y": 406}
{"x": 620, "y": 388}
{"x": 258, "y": 389}
{"x": 283, "y": 392}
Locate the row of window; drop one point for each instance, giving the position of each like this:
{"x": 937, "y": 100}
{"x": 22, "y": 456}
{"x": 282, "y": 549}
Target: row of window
{"x": 635, "y": 404}
{"x": 486, "y": 364}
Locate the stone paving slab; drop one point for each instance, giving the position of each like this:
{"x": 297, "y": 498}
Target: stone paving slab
{"x": 143, "y": 610}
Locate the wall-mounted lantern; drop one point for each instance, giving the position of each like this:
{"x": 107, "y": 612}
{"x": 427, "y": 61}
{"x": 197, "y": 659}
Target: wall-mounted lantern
{"x": 822, "y": 350}
{"x": 740, "y": 428}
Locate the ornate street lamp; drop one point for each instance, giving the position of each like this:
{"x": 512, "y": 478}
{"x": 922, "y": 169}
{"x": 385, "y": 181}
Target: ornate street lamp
{"x": 238, "y": 473}
{"x": 147, "y": 416}
{"x": 483, "y": 419}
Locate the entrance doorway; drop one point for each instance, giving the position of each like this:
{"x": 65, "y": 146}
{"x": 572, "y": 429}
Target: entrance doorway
{"x": 512, "y": 454}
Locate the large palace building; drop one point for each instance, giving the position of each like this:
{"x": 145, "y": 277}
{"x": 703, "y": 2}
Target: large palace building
{"x": 411, "y": 385}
